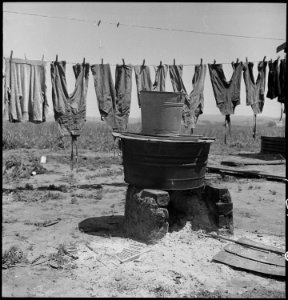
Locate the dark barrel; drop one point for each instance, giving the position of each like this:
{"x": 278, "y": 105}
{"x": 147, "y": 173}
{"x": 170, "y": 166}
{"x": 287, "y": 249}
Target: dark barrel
{"x": 165, "y": 163}
{"x": 273, "y": 145}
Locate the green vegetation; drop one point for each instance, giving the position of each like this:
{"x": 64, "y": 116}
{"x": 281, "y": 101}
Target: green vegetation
{"x": 96, "y": 136}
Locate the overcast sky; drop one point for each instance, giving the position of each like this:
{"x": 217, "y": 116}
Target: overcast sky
{"x": 72, "y": 41}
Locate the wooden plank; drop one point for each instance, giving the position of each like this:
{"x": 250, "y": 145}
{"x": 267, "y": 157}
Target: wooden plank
{"x": 248, "y": 264}
{"x": 251, "y": 243}
{"x": 244, "y": 173}
{"x": 239, "y": 164}
{"x": 258, "y": 255}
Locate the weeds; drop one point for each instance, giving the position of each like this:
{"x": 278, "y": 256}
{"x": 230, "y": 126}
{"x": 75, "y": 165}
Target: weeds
{"x": 12, "y": 257}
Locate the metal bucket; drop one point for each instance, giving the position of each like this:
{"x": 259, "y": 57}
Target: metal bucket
{"x": 161, "y": 112}
{"x": 167, "y": 163}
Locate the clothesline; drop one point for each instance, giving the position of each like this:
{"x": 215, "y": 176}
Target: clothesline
{"x": 98, "y": 22}
{"x": 74, "y": 63}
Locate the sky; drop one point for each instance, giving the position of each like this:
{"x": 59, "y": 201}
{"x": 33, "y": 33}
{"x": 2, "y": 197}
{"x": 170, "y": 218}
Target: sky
{"x": 35, "y": 36}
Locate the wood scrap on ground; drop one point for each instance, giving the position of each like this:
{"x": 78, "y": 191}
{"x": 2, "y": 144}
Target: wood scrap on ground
{"x": 233, "y": 163}
{"x": 246, "y": 174}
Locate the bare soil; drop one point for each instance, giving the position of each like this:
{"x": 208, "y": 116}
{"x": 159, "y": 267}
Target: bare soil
{"x": 56, "y": 214}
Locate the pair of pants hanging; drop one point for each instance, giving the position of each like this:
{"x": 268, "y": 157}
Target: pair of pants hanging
{"x": 69, "y": 109}
{"x": 143, "y": 80}
{"x": 194, "y": 103}
{"x": 255, "y": 91}
{"x": 113, "y": 101}
{"x": 25, "y": 90}
{"x": 226, "y": 93}
{"x": 160, "y": 78}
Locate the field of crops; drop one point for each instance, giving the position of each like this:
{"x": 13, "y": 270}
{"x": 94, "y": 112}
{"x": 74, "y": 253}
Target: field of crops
{"x": 96, "y": 136}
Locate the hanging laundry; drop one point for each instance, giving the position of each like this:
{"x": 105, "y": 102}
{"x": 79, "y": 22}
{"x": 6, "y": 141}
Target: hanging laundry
{"x": 160, "y": 78}
{"x": 274, "y": 89}
{"x": 143, "y": 80}
{"x": 255, "y": 91}
{"x": 69, "y": 110}
{"x": 175, "y": 72}
{"x": 196, "y": 97}
{"x": 283, "y": 83}
{"x": 105, "y": 92}
{"x": 226, "y": 93}
{"x": 123, "y": 88}
{"x": 113, "y": 102}
{"x": 25, "y": 90}
{"x": 194, "y": 103}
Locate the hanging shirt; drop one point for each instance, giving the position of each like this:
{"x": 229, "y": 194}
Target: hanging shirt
{"x": 143, "y": 80}
{"x": 226, "y": 93}
{"x": 274, "y": 89}
{"x": 25, "y": 90}
{"x": 69, "y": 110}
{"x": 255, "y": 91}
{"x": 160, "y": 78}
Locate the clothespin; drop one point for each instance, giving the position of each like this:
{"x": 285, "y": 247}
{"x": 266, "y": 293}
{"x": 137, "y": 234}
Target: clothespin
{"x": 101, "y": 61}
{"x": 143, "y": 63}
{"x": 174, "y": 61}
{"x": 214, "y": 61}
{"x": 42, "y": 59}
{"x": 201, "y": 60}
{"x": 56, "y": 57}
{"x": 123, "y": 61}
{"x": 118, "y": 24}
{"x": 84, "y": 61}
{"x": 160, "y": 62}
{"x": 246, "y": 60}
{"x": 25, "y": 56}
{"x": 99, "y": 22}
{"x": 11, "y": 54}
{"x": 264, "y": 58}
{"x": 237, "y": 60}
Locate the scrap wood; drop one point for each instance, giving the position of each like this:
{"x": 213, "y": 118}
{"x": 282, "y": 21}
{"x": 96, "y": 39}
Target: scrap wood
{"x": 248, "y": 264}
{"x": 253, "y": 254}
{"x": 129, "y": 257}
{"x": 95, "y": 253}
{"x": 246, "y": 174}
{"x": 239, "y": 164}
{"x": 247, "y": 242}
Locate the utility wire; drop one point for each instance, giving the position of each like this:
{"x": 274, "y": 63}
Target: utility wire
{"x": 145, "y": 27}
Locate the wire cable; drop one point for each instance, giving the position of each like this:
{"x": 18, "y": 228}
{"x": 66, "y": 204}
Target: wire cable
{"x": 145, "y": 27}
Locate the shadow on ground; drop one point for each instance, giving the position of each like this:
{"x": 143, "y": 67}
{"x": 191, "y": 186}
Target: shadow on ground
{"x": 103, "y": 226}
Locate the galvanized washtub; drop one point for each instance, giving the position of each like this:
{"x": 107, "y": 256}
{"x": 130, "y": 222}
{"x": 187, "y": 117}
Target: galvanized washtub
{"x": 164, "y": 162}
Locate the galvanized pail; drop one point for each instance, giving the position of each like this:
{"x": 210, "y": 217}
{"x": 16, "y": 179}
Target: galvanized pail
{"x": 161, "y": 112}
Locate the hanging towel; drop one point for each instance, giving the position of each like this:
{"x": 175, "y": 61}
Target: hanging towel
{"x": 283, "y": 83}
{"x": 143, "y": 80}
{"x": 25, "y": 90}
{"x": 160, "y": 77}
{"x": 274, "y": 89}
{"x": 69, "y": 110}
{"x": 123, "y": 89}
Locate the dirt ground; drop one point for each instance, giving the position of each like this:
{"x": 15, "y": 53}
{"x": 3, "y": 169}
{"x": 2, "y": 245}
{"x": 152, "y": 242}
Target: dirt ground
{"x": 87, "y": 207}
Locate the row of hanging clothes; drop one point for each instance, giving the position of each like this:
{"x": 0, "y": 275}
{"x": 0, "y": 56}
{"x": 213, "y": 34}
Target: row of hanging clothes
{"x": 25, "y": 92}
